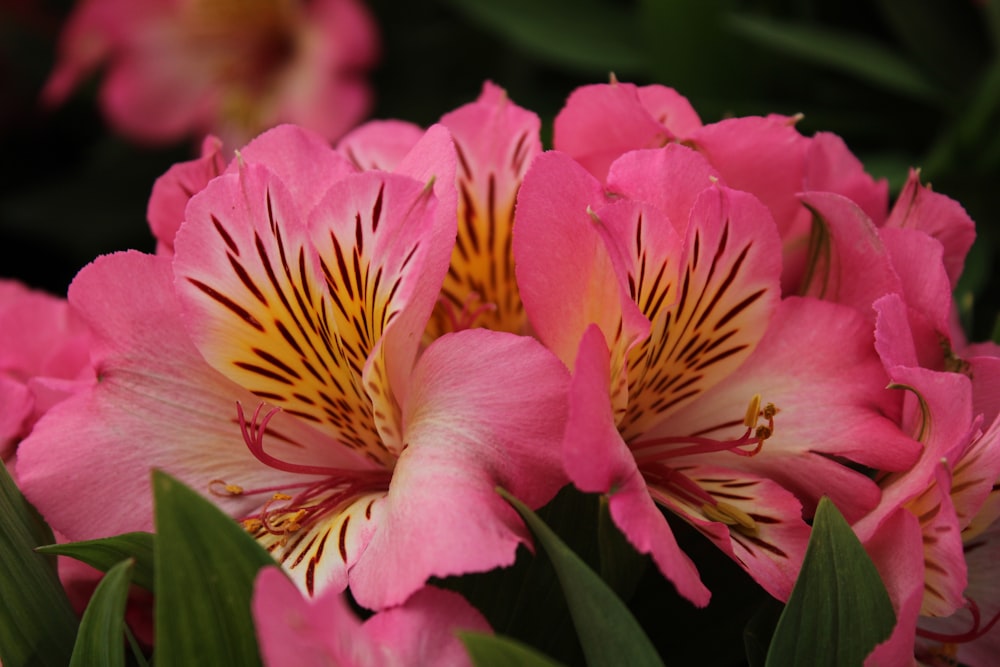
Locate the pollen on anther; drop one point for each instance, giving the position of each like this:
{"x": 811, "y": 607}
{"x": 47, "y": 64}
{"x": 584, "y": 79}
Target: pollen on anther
{"x": 753, "y": 412}
{"x": 281, "y": 496}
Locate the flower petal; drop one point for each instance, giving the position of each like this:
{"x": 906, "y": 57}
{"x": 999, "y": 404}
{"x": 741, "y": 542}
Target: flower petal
{"x": 565, "y": 269}
{"x": 157, "y": 404}
{"x": 296, "y": 325}
{"x": 598, "y": 461}
{"x": 765, "y": 534}
{"x": 600, "y": 122}
{"x": 848, "y": 262}
{"x": 728, "y": 288}
{"x": 495, "y": 140}
{"x": 485, "y": 409}
{"x": 896, "y": 551}
{"x": 939, "y": 216}
{"x": 379, "y": 144}
{"x": 817, "y": 366}
{"x": 424, "y": 629}
{"x": 173, "y": 190}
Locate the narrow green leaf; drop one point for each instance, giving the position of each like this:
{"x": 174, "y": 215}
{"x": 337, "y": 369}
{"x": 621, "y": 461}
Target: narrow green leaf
{"x": 101, "y": 639}
{"x": 105, "y": 553}
{"x": 494, "y": 651}
{"x": 852, "y": 54}
{"x": 606, "y": 629}
{"x": 600, "y": 40}
{"x": 839, "y": 609}
{"x": 205, "y": 569}
{"x": 37, "y": 623}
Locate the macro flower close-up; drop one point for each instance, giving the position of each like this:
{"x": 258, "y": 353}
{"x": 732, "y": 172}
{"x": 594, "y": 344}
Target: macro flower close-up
{"x": 479, "y": 333}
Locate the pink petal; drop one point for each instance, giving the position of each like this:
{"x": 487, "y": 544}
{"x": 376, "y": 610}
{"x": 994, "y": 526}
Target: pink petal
{"x": 173, "y": 190}
{"x": 831, "y": 167}
{"x": 641, "y": 521}
{"x": 849, "y": 263}
{"x": 920, "y": 208}
{"x": 945, "y": 576}
{"x": 379, "y": 144}
{"x": 817, "y": 366}
{"x": 670, "y": 109}
{"x": 897, "y": 553}
{"x": 727, "y": 291}
{"x": 938, "y": 412}
{"x": 424, "y": 629}
{"x": 982, "y": 556}
{"x": 293, "y": 630}
{"x": 300, "y": 158}
{"x": 600, "y": 122}
{"x": 771, "y": 547}
{"x": 495, "y": 141}
{"x": 598, "y": 461}
{"x": 645, "y": 175}
{"x": 157, "y": 404}
{"x": 761, "y": 155}
{"x": 485, "y": 409}
{"x": 565, "y": 270}
{"x": 917, "y": 260}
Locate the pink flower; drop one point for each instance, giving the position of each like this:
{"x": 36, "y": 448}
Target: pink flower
{"x": 765, "y": 156}
{"x": 44, "y": 357}
{"x": 299, "y": 282}
{"x": 293, "y": 630}
{"x": 178, "y": 68}
{"x": 665, "y": 304}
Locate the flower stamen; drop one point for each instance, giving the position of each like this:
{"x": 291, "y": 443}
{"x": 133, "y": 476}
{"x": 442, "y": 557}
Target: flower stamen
{"x": 977, "y": 630}
{"x": 472, "y": 308}
{"x": 659, "y": 449}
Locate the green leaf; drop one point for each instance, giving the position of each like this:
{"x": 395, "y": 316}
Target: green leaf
{"x": 105, "y": 553}
{"x": 600, "y": 38}
{"x": 205, "y": 569}
{"x": 494, "y": 651}
{"x": 851, "y": 54}
{"x": 839, "y": 609}
{"x": 606, "y": 629}
{"x": 101, "y": 640}
{"x": 37, "y": 622}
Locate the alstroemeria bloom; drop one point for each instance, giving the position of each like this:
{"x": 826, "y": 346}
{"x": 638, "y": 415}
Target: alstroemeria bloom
{"x": 300, "y": 283}
{"x": 946, "y": 496}
{"x": 695, "y": 386}
{"x": 178, "y": 68}
{"x": 44, "y": 357}
{"x": 294, "y": 631}
{"x": 763, "y": 155}
{"x": 496, "y": 141}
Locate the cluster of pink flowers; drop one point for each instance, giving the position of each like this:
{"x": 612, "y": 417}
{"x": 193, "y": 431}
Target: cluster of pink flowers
{"x": 348, "y": 349}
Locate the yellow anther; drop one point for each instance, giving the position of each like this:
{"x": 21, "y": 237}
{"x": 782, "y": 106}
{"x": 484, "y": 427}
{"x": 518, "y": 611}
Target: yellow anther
{"x": 292, "y": 523}
{"x": 252, "y": 525}
{"x": 281, "y": 496}
{"x": 731, "y": 516}
{"x": 753, "y": 412}
{"x": 234, "y": 489}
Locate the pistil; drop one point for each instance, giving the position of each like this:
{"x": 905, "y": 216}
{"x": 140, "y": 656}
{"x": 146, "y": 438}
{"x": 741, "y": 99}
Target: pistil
{"x": 295, "y": 505}
{"x": 661, "y": 449}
